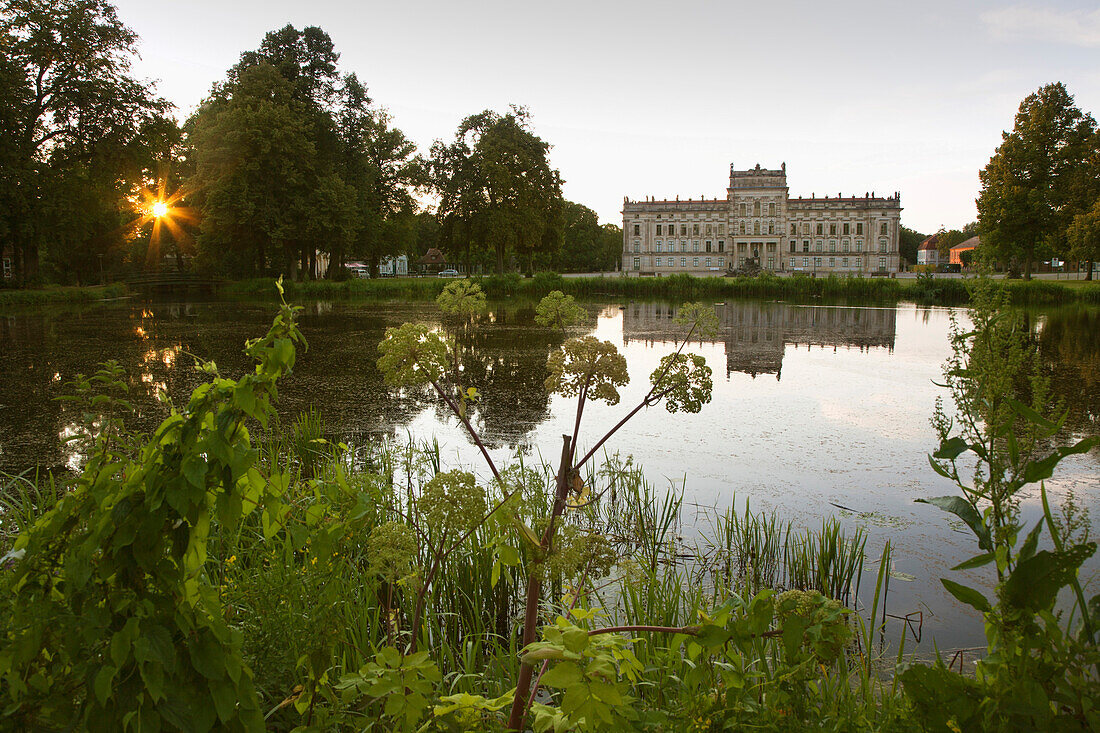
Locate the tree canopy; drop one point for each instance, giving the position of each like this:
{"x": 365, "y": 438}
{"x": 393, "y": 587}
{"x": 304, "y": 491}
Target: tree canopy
{"x": 1038, "y": 179}
{"x": 75, "y": 128}
{"x": 497, "y": 190}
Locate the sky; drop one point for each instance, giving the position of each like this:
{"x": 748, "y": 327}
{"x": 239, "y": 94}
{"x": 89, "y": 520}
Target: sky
{"x": 659, "y": 98}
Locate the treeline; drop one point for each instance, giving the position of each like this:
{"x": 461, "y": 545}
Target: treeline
{"x": 288, "y": 167}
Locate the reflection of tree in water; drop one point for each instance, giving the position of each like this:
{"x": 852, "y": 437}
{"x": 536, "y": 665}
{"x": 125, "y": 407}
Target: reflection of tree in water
{"x": 1069, "y": 345}
{"x": 505, "y": 359}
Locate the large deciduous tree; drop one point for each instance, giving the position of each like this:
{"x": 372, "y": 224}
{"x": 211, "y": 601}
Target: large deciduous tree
{"x": 1032, "y": 186}
{"x": 68, "y": 105}
{"x": 497, "y": 189}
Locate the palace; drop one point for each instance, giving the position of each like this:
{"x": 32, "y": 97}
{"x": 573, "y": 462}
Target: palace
{"x": 758, "y": 223}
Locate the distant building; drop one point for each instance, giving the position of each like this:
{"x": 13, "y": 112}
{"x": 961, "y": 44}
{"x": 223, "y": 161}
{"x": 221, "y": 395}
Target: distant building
{"x": 758, "y": 223}
{"x": 927, "y": 252}
{"x": 967, "y": 246}
{"x": 7, "y": 261}
{"x": 394, "y": 266}
{"x": 432, "y": 262}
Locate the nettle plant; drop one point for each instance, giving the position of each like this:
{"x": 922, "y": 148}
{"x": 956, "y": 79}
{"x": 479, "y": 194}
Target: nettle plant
{"x": 417, "y": 355}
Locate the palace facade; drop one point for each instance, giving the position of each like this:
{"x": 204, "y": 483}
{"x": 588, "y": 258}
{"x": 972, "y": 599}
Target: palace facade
{"x": 759, "y": 223}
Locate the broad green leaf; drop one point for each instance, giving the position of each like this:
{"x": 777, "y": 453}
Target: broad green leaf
{"x": 951, "y": 448}
{"x": 969, "y": 596}
{"x": 976, "y": 561}
{"x": 963, "y": 510}
{"x": 563, "y": 674}
{"x": 1035, "y": 582}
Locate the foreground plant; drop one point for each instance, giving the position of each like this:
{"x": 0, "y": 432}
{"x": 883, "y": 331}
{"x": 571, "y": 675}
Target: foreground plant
{"x": 1041, "y": 672}
{"x": 109, "y": 619}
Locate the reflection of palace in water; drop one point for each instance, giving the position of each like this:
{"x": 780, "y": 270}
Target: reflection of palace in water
{"x": 755, "y": 334}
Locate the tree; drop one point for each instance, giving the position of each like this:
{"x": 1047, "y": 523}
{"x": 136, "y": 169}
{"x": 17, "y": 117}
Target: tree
{"x": 497, "y": 188}
{"x": 1083, "y": 235}
{"x": 1031, "y": 187}
{"x": 265, "y": 197}
{"x": 379, "y": 164}
{"x": 909, "y": 240}
{"x": 68, "y": 102}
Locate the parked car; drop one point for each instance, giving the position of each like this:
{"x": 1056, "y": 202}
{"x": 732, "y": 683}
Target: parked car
{"x": 448, "y": 273}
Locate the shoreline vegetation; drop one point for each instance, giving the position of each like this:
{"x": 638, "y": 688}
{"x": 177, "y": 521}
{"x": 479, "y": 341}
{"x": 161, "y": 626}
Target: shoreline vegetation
{"x": 233, "y": 571}
{"x": 923, "y": 290}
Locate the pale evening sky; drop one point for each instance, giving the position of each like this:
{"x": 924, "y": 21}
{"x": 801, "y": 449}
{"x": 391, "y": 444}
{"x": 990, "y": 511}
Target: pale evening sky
{"x": 658, "y": 98}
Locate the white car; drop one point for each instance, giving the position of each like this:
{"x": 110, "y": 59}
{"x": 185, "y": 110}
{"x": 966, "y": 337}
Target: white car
{"x": 448, "y": 273}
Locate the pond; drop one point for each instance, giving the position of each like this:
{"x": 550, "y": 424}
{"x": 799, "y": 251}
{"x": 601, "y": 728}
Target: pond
{"x": 818, "y": 410}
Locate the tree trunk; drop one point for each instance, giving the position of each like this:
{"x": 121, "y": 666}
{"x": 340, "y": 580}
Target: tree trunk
{"x": 1028, "y": 254}
{"x": 500, "y": 260}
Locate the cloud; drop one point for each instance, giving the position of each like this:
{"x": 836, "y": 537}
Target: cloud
{"x": 1073, "y": 27}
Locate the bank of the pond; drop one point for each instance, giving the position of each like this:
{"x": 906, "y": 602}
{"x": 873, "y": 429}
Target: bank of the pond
{"x": 936, "y": 291}
{"x": 61, "y": 294}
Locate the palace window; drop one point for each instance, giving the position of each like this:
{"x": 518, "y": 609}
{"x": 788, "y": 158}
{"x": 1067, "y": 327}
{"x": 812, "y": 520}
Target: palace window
{"x": 859, "y": 227}
{"x": 695, "y": 230}
{"x": 709, "y": 229}
{"x": 846, "y": 225}
{"x": 820, "y": 229}
{"x": 832, "y": 230}
{"x": 637, "y": 248}
{"x": 658, "y": 245}
{"x": 721, "y": 229}
{"x": 805, "y": 227}
{"x": 694, "y": 261}
{"x": 792, "y": 245}
{"x": 742, "y": 228}
{"x": 683, "y": 230}
{"x": 721, "y": 245}
{"x": 756, "y": 208}
{"x": 756, "y": 227}
{"x": 859, "y": 245}
{"x": 637, "y": 229}
{"x": 741, "y": 210}
{"x": 805, "y": 261}
{"x": 657, "y": 262}
{"x": 771, "y": 263}
{"x": 771, "y": 227}
{"x": 817, "y": 246}
{"x": 817, "y": 262}
{"x": 637, "y": 263}
{"x": 859, "y": 262}
{"x": 792, "y": 261}
{"x": 882, "y": 263}
{"x": 882, "y": 245}
{"x": 794, "y": 228}
{"x": 658, "y": 229}
{"x": 832, "y": 262}
{"x": 695, "y": 245}
{"x": 683, "y": 245}
{"x": 771, "y": 209}
{"x": 722, "y": 262}
{"x": 707, "y": 245}
{"x": 683, "y": 261}
{"x": 708, "y": 262}
{"x": 844, "y": 261}
{"x": 844, "y": 245}
{"x": 832, "y": 245}
{"x": 805, "y": 245}
{"x": 882, "y": 228}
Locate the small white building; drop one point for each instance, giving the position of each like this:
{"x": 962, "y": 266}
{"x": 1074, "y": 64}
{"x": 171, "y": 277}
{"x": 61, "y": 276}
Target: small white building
{"x": 394, "y": 266}
{"x": 928, "y": 253}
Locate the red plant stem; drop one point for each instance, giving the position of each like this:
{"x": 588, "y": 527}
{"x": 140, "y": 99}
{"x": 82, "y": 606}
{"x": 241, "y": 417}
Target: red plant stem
{"x": 534, "y": 588}
{"x": 469, "y": 429}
